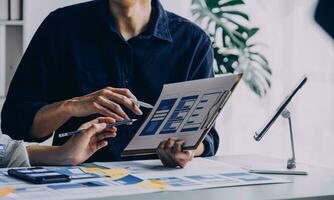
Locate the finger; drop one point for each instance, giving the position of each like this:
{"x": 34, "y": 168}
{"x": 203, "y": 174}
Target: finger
{"x": 88, "y": 124}
{"x": 107, "y": 120}
{"x": 165, "y": 158}
{"x": 183, "y": 163}
{"x": 169, "y": 144}
{"x": 178, "y": 146}
{"x": 162, "y": 157}
{"x": 84, "y": 126}
{"x": 104, "y": 135}
{"x": 114, "y": 133}
{"x": 106, "y": 112}
{"x": 164, "y": 153}
{"x": 112, "y": 129}
{"x": 162, "y": 144}
{"x": 124, "y": 91}
{"x": 95, "y": 128}
{"x": 101, "y": 144}
{"x": 112, "y": 106}
{"x": 181, "y": 156}
{"x": 123, "y": 99}
{"x": 159, "y": 149}
{"x": 96, "y": 121}
{"x": 126, "y": 101}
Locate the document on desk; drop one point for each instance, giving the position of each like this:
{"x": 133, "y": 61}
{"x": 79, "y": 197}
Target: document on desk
{"x": 80, "y": 187}
{"x": 200, "y": 173}
{"x": 134, "y": 177}
{"x": 184, "y": 110}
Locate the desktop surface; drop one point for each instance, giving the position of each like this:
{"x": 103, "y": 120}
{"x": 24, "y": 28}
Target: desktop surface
{"x": 319, "y": 184}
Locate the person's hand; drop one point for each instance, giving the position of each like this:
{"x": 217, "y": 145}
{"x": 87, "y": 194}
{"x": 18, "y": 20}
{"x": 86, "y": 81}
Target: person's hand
{"x": 105, "y": 102}
{"x": 170, "y": 152}
{"x": 107, "y": 120}
{"x": 81, "y": 146}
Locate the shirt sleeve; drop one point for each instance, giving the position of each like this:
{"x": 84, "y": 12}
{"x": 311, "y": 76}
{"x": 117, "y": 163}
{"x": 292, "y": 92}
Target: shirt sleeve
{"x": 28, "y": 90}
{"x": 202, "y": 67}
{"x": 12, "y": 153}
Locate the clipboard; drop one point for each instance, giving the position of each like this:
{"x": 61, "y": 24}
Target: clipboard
{"x": 146, "y": 144}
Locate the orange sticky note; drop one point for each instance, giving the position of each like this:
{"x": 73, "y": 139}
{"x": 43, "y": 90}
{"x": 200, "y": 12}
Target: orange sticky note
{"x": 116, "y": 173}
{"x": 153, "y": 185}
{"x": 6, "y": 191}
{"x": 93, "y": 170}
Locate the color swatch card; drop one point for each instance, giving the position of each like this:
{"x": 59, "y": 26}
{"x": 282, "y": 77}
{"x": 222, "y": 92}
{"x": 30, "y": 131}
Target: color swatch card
{"x": 186, "y": 111}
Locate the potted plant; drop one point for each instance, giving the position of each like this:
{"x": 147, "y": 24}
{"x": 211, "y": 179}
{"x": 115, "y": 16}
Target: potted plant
{"x": 230, "y": 34}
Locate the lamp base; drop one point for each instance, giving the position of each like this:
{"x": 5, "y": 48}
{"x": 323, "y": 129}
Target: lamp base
{"x": 271, "y": 169}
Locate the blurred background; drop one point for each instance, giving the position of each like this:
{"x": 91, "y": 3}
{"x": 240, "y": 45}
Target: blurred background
{"x": 274, "y": 42}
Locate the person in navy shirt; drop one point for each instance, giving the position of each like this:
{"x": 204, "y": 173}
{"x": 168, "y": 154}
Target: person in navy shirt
{"x": 89, "y": 59}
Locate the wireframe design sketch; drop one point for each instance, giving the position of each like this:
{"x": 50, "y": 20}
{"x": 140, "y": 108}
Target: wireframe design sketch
{"x": 184, "y": 110}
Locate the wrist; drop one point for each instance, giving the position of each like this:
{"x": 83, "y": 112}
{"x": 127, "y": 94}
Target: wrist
{"x": 68, "y": 107}
{"x": 65, "y": 155}
{"x": 47, "y": 155}
{"x": 200, "y": 150}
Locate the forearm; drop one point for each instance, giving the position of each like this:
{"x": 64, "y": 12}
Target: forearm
{"x": 48, "y": 155}
{"x": 200, "y": 149}
{"x": 49, "y": 118}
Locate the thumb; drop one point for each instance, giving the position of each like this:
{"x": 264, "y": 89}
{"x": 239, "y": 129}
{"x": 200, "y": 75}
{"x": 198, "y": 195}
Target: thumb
{"x": 95, "y": 128}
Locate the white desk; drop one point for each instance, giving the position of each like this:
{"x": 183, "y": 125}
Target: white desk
{"x": 319, "y": 184}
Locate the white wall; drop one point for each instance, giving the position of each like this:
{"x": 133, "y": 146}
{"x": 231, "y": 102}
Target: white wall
{"x": 296, "y": 45}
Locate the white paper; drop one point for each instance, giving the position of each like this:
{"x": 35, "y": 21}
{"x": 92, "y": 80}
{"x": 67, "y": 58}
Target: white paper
{"x": 144, "y": 168}
{"x": 76, "y": 189}
{"x": 200, "y": 173}
{"x": 182, "y": 111}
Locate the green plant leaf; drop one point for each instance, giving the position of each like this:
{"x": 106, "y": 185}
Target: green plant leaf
{"x": 212, "y": 4}
{"x": 233, "y": 12}
{"x": 230, "y": 26}
{"x": 231, "y": 3}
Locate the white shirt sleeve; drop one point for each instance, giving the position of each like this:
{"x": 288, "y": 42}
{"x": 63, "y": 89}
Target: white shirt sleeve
{"x": 13, "y": 153}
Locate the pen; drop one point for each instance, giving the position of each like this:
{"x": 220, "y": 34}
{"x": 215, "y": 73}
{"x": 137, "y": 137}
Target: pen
{"x": 140, "y": 103}
{"x": 124, "y": 122}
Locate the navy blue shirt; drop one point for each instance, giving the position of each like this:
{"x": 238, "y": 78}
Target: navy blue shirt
{"x": 79, "y": 49}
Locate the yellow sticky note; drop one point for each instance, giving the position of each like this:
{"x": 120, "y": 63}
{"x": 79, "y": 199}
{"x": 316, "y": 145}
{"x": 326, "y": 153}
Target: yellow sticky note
{"x": 93, "y": 170}
{"x": 6, "y": 191}
{"x": 116, "y": 173}
{"x": 153, "y": 185}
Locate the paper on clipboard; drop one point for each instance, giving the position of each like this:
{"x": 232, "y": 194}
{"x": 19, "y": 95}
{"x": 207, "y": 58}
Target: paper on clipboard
{"x": 186, "y": 111}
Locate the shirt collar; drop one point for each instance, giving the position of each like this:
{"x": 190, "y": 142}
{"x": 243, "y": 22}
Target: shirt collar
{"x": 157, "y": 27}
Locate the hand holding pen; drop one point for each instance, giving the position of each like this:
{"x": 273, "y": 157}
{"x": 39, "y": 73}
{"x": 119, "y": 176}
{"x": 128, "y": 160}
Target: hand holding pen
{"x": 93, "y": 136}
{"x": 108, "y": 126}
{"x": 108, "y": 102}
